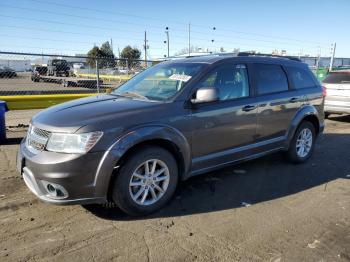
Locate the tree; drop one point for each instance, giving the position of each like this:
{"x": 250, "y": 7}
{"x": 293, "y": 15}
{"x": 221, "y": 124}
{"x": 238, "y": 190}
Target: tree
{"x": 130, "y": 54}
{"x": 108, "y": 55}
{"x": 92, "y": 55}
{"x": 104, "y": 54}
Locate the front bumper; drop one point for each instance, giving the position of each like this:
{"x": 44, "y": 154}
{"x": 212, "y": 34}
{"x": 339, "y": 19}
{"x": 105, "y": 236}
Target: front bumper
{"x": 83, "y": 178}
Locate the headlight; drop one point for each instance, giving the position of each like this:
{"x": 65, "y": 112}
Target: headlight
{"x": 72, "y": 143}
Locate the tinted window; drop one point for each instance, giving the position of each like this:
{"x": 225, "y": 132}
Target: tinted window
{"x": 270, "y": 79}
{"x": 300, "y": 78}
{"x": 230, "y": 80}
{"x": 337, "y": 78}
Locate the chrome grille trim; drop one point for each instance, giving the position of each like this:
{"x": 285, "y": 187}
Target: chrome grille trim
{"x": 41, "y": 132}
{"x": 36, "y": 139}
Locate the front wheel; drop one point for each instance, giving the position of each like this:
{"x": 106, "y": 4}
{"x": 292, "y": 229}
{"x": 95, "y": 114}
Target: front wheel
{"x": 146, "y": 181}
{"x": 302, "y": 144}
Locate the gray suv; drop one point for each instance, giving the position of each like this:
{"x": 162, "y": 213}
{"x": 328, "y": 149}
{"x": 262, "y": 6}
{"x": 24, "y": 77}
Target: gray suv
{"x": 177, "y": 119}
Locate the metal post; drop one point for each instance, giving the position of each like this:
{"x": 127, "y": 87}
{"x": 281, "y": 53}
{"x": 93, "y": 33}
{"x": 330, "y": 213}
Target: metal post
{"x": 145, "y": 46}
{"x": 318, "y": 60}
{"x": 98, "y": 77}
{"x": 189, "y": 39}
{"x": 127, "y": 66}
{"x": 167, "y": 35}
{"x": 332, "y": 57}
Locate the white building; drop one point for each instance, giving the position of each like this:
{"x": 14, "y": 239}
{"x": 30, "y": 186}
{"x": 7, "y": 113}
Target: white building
{"x": 16, "y": 64}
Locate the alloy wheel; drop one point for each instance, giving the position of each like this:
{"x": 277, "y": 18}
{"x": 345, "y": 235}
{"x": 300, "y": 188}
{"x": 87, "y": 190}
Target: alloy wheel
{"x": 149, "y": 182}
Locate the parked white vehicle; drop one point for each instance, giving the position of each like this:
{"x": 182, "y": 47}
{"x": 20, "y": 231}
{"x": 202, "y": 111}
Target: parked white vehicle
{"x": 337, "y": 86}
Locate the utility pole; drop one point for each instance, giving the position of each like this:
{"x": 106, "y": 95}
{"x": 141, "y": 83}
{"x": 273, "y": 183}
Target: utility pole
{"x": 167, "y": 35}
{"x": 145, "y": 47}
{"x": 112, "y": 44}
{"x": 332, "y": 57}
{"x": 189, "y": 39}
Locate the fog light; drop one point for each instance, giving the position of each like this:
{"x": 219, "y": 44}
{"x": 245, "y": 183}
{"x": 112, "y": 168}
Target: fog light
{"x": 54, "y": 190}
{"x": 50, "y": 188}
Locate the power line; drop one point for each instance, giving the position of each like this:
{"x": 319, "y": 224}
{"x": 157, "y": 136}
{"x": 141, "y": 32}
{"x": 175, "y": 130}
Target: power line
{"x": 102, "y": 28}
{"x": 148, "y": 18}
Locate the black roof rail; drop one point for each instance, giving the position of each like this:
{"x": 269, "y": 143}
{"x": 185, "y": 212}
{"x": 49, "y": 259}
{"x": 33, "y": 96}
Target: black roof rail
{"x": 268, "y": 55}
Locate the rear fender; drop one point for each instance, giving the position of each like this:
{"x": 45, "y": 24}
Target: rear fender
{"x": 303, "y": 112}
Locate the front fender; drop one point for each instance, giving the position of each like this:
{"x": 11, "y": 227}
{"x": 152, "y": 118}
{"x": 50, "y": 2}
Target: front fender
{"x": 303, "y": 112}
{"x": 132, "y": 138}
{"x": 153, "y": 132}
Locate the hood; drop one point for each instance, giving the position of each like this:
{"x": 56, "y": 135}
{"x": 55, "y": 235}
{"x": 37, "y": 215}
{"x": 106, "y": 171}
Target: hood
{"x": 96, "y": 111}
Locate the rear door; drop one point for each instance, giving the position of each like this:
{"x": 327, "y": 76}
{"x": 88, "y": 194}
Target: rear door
{"x": 277, "y": 102}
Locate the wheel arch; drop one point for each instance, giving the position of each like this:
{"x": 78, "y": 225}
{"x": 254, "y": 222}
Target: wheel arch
{"x": 163, "y": 136}
{"x": 307, "y": 113}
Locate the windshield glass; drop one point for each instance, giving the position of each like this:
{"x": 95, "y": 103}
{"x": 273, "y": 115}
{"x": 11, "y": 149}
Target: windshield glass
{"x": 160, "y": 82}
{"x": 59, "y": 62}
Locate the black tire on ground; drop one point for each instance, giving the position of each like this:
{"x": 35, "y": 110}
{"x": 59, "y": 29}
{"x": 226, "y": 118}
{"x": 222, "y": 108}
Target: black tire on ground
{"x": 121, "y": 194}
{"x": 326, "y": 115}
{"x": 292, "y": 154}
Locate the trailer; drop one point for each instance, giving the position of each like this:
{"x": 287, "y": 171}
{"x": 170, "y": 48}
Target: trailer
{"x": 67, "y": 81}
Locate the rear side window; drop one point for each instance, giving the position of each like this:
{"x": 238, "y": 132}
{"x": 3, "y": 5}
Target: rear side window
{"x": 337, "y": 78}
{"x": 300, "y": 78}
{"x": 270, "y": 79}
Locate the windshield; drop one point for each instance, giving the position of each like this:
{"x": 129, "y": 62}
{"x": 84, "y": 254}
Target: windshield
{"x": 160, "y": 82}
{"x": 337, "y": 78}
{"x": 59, "y": 62}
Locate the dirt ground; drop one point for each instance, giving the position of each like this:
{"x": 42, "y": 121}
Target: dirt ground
{"x": 263, "y": 210}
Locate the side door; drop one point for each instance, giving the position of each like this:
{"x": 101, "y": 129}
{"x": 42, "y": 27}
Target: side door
{"x": 221, "y": 128}
{"x": 277, "y": 101}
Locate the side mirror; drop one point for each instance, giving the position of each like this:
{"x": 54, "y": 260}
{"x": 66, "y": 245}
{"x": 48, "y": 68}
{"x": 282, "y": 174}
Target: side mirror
{"x": 206, "y": 95}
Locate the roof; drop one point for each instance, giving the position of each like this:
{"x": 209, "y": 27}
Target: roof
{"x": 211, "y": 59}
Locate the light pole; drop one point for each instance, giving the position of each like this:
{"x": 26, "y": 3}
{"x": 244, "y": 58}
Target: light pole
{"x": 189, "y": 39}
{"x": 167, "y": 41}
{"x": 213, "y": 40}
{"x": 334, "y": 46}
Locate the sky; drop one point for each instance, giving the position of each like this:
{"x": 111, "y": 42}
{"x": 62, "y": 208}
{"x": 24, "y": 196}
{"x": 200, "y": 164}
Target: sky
{"x": 74, "y": 27}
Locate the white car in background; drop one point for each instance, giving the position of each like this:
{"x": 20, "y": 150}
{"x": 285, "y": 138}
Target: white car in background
{"x": 337, "y": 85}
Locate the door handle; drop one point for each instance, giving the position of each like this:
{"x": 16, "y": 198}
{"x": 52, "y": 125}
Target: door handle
{"x": 248, "y": 108}
{"x": 294, "y": 100}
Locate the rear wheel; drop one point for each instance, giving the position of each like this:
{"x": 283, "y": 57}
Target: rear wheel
{"x": 302, "y": 144}
{"x": 326, "y": 115}
{"x": 146, "y": 181}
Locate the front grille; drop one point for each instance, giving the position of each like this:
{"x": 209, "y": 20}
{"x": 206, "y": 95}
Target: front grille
{"x": 41, "y": 132}
{"x": 36, "y": 139}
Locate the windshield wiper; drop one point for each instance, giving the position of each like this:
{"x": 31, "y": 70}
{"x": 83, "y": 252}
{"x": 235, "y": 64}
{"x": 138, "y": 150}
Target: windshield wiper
{"x": 132, "y": 94}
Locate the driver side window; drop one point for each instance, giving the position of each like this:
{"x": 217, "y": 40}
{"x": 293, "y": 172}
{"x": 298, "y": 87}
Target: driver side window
{"x": 230, "y": 80}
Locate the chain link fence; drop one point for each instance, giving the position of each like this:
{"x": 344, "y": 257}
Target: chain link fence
{"x": 43, "y": 74}
{"x": 38, "y": 74}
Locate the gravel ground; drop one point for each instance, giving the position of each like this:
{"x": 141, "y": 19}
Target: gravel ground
{"x": 262, "y": 210}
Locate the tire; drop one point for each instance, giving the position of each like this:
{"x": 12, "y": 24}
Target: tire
{"x": 294, "y": 153}
{"x": 326, "y": 115}
{"x": 129, "y": 198}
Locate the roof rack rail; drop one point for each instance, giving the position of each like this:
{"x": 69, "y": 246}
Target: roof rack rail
{"x": 269, "y": 55}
